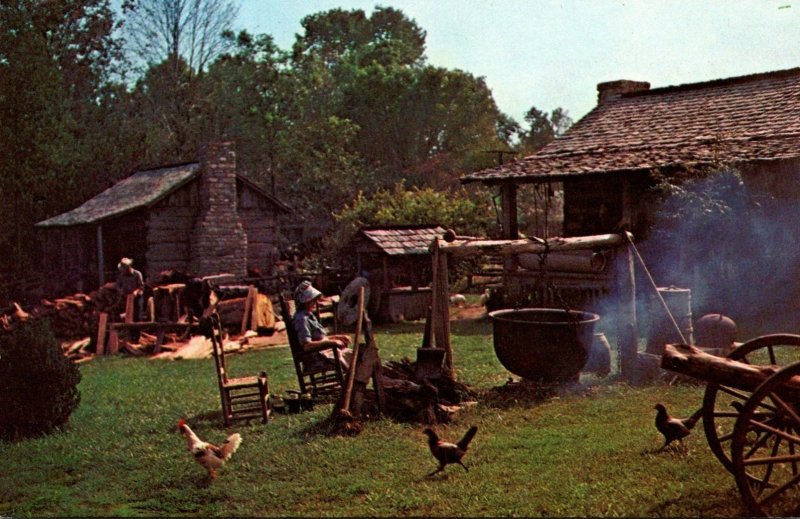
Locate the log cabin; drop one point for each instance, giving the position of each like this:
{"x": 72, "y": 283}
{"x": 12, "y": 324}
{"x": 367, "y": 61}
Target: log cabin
{"x": 201, "y": 217}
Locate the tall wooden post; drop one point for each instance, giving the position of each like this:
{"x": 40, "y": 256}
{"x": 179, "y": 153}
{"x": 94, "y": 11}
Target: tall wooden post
{"x": 510, "y": 226}
{"x": 509, "y": 207}
{"x": 101, "y": 275}
{"x": 627, "y": 333}
{"x": 627, "y": 204}
{"x": 440, "y": 313}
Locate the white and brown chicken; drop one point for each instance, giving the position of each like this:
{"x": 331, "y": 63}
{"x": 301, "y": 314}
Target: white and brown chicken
{"x": 210, "y": 456}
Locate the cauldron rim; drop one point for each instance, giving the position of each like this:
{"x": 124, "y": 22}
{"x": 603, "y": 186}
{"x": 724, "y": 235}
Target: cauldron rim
{"x": 505, "y": 313}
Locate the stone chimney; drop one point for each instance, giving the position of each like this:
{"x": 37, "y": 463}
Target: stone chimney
{"x": 218, "y": 242}
{"x": 612, "y": 90}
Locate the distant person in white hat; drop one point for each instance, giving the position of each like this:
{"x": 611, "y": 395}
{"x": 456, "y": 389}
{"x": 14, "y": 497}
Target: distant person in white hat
{"x": 312, "y": 334}
{"x": 130, "y": 281}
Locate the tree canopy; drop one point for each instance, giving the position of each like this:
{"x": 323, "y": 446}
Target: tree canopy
{"x": 351, "y": 110}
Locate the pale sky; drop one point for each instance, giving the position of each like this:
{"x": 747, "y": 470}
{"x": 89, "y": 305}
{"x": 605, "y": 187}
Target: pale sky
{"x": 549, "y": 53}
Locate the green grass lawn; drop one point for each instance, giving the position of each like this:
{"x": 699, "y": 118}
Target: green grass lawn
{"x": 585, "y": 453}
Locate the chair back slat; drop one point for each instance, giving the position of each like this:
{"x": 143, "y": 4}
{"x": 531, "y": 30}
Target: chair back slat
{"x": 294, "y": 342}
{"x": 217, "y": 348}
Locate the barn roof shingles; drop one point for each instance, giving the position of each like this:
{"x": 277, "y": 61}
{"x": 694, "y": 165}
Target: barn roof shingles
{"x": 141, "y": 189}
{"x": 403, "y": 241}
{"x": 742, "y": 119}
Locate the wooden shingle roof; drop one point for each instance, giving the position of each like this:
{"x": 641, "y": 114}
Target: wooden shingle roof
{"x": 402, "y": 240}
{"x": 141, "y": 189}
{"x": 742, "y": 119}
{"x": 138, "y": 190}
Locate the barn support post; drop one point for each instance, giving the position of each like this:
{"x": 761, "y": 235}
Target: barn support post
{"x": 510, "y": 225}
{"x": 627, "y": 330}
{"x": 101, "y": 275}
{"x": 509, "y": 207}
{"x": 627, "y": 204}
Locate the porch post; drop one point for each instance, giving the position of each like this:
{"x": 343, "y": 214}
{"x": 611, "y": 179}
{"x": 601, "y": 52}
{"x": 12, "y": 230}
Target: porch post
{"x": 509, "y": 207}
{"x": 510, "y": 230}
{"x": 100, "y": 259}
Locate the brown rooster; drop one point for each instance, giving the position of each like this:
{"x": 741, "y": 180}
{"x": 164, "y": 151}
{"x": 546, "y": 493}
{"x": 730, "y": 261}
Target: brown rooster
{"x": 445, "y": 452}
{"x": 674, "y": 428}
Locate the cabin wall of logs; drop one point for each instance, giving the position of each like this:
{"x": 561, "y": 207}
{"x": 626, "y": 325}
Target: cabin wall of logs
{"x": 170, "y": 224}
{"x": 169, "y": 230}
{"x": 260, "y": 223}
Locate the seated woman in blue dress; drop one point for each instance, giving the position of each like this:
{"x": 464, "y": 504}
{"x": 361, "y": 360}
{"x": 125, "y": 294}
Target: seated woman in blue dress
{"x": 311, "y": 333}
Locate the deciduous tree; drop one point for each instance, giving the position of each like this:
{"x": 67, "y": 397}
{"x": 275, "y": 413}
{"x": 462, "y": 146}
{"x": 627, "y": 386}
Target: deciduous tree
{"x": 54, "y": 57}
{"x": 179, "y": 31}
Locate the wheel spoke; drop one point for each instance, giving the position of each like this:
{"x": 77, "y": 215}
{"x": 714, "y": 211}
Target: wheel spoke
{"x": 776, "y": 432}
{"x": 780, "y": 403}
{"x": 770, "y": 408}
{"x": 771, "y": 351}
{"x": 725, "y": 437}
{"x": 774, "y": 458}
{"x": 771, "y": 464}
{"x": 779, "y": 490}
{"x": 734, "y": 392}
{"x": 760, "y": 442}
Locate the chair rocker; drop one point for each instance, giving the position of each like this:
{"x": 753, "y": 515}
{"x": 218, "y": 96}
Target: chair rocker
{"x": 243, "y": 398}
{"x": 318, "y": 381}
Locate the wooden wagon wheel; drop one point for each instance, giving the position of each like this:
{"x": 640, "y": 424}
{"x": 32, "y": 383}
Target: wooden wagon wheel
{"x": 721, "y": 404}
{"x": 765, "y": 447}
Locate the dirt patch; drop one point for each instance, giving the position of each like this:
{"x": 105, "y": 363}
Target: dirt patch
{"x": 274, "y": 340}
{"x": 467, "y": 312}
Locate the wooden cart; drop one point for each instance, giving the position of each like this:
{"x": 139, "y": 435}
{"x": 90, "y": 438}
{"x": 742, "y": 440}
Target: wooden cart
{"x": 751, "y": 416}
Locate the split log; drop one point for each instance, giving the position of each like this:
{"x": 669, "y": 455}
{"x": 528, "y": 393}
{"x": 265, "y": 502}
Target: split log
{"x": 100, "y": 343}
{"x": 232, "y": 312}
{"x": 248, "y": 305}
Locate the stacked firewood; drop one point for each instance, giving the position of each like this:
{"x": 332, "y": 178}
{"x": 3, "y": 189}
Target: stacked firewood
{"x": 71, "y": 317}
{"x": 75, "y": 316}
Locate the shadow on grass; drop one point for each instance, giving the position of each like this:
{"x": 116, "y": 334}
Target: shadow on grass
{"x": 525, "y": 393}
{"x": 468, "y": 326}
{"x": 208, "y": 418}
{"x": 724, "y": 499}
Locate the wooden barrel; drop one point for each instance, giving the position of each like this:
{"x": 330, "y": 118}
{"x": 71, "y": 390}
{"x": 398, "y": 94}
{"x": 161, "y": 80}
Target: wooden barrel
{"x": 662, "y": 331}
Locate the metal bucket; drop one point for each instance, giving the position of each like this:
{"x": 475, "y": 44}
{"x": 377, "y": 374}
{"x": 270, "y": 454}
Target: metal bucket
{"x": 543, "y": 344}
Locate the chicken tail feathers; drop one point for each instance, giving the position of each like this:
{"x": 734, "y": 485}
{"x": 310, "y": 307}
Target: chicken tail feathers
{"x": 464, "y": 442}
{"x": 230, "y": 445}
{"x": 692, "y": 420}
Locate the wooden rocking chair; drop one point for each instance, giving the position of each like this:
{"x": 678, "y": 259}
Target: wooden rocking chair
{"x": 319, "y": 380}
{"x": 242, "y": 397}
